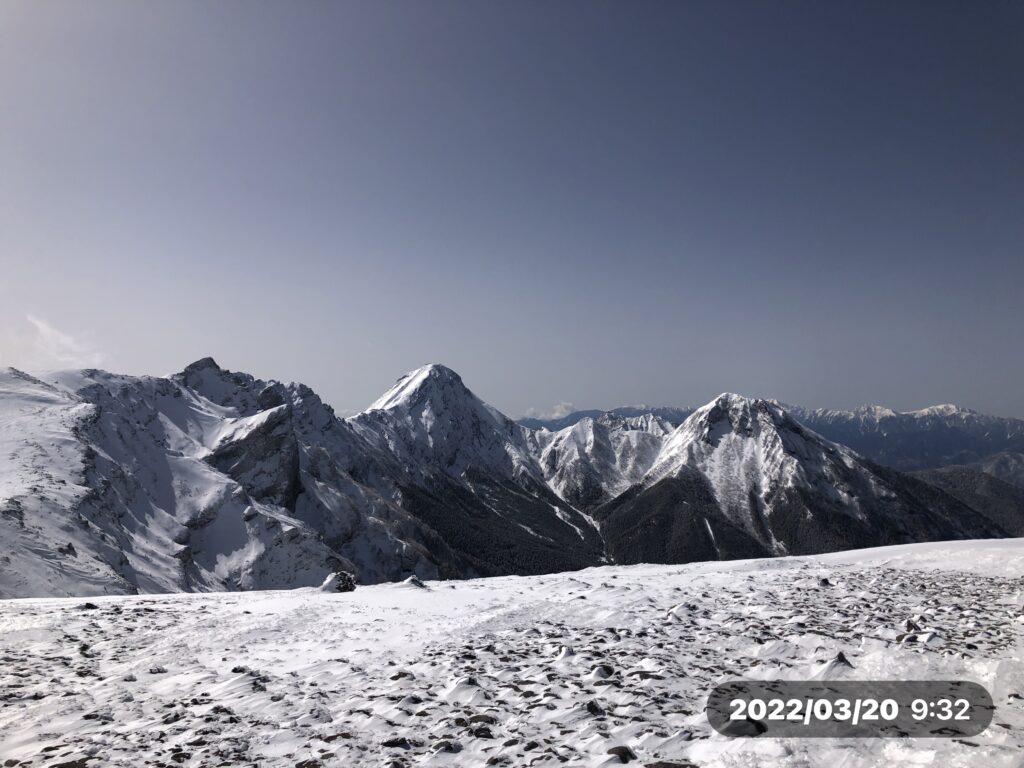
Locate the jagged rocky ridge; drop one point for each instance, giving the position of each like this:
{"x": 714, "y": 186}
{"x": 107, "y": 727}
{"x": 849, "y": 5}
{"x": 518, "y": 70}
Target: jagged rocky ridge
{"x": 933, "y": 437}
{"x": 213, "y": 480}
{"x": 928, "y": 438}
{"x": 742, "y": 478}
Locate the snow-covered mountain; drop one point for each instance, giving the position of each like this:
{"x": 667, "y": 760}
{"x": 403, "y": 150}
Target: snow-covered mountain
{"x": 595, "y": 459}
{"x": 211, "y": 480}
{"x": 741, "y": 477}
{"x": 206, "y": 480}
{"x": 214, "y": 480}
{"x": 932, "y": 437}
{"x": 430, "y": 420}
{"x": 105, "y": 488}
{"x": 928, "y": 438}
{"x": 469, "y": 472}
{"x": 673, "y": 416}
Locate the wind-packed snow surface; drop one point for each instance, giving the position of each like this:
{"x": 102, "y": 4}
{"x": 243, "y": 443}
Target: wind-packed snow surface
{"x": 541, "y": 670}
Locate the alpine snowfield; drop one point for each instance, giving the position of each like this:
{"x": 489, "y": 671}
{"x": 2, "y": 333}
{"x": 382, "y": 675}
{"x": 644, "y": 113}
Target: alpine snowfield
{"x": 540, "y": 670}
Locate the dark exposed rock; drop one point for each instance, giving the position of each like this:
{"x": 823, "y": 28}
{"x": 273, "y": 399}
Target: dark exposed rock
{"x": 400, "y": 742}
{"x": 340, "y": 581}
{"x": 446, "y": 745}
{"x": 745, "y": 727}
{"x": 624, "y": 753}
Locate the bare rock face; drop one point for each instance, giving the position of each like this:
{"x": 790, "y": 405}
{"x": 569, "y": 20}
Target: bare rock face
{"x": 263, "y": 456}
{"x": 341, "y": 581}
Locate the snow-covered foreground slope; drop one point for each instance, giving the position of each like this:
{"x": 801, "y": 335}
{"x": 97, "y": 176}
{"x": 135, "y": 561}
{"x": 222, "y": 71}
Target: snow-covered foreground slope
{"x": 542, "y": 670}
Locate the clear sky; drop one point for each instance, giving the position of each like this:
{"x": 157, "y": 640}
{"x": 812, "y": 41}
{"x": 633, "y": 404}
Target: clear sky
{"x": 588, "y": 202}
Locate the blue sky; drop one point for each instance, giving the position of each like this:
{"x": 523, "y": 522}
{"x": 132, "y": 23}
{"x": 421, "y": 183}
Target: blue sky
{"x": 591, "y": 202}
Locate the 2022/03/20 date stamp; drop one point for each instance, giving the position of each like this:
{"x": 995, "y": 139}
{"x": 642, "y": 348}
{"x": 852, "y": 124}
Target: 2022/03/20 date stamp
{"x": 850, "y": 709}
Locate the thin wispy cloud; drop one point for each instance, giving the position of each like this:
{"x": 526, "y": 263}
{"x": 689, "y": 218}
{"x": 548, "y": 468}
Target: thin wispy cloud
{"x": 559, "y": 410}
{"x": 44, "y": 346}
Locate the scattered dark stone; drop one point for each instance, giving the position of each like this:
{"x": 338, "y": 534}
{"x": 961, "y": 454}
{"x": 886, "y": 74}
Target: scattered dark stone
{"x": 239, "y": 670}
{"x": 624, "y": 753}
{"x": 842, "y": 661}
{"x": 594, "y": 708}
{"x": 340, "y": 581}
{"x": 158, "y": 670}
{"x": 445, "y": 745}
{"x": 335, "y": 736}
{"x": 484, "y": 718}
{"x": 643, "y": 674}
{"x": 824, "y": 582}
{"x": 483, "y": 732}
{"x": 746, "y": 727}
{"x": 310, "y": 763}
{"x": 397, "y": 742}
{"x": 88, "y": 607}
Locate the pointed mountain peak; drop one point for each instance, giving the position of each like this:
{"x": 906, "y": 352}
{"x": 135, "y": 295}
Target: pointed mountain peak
{"x": 732, "y": 413}
{"x": 729, "y": 403}
{"x": 421, "y": 384}
{"x": 203, "y": 364}
{"x": 732, "y": 400}
{"x": 432, "y": 422}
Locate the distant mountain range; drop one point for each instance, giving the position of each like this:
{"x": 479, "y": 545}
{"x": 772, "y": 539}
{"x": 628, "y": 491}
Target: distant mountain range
{"x": 215, "y": 480}
{"x": 939, "y": 436}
